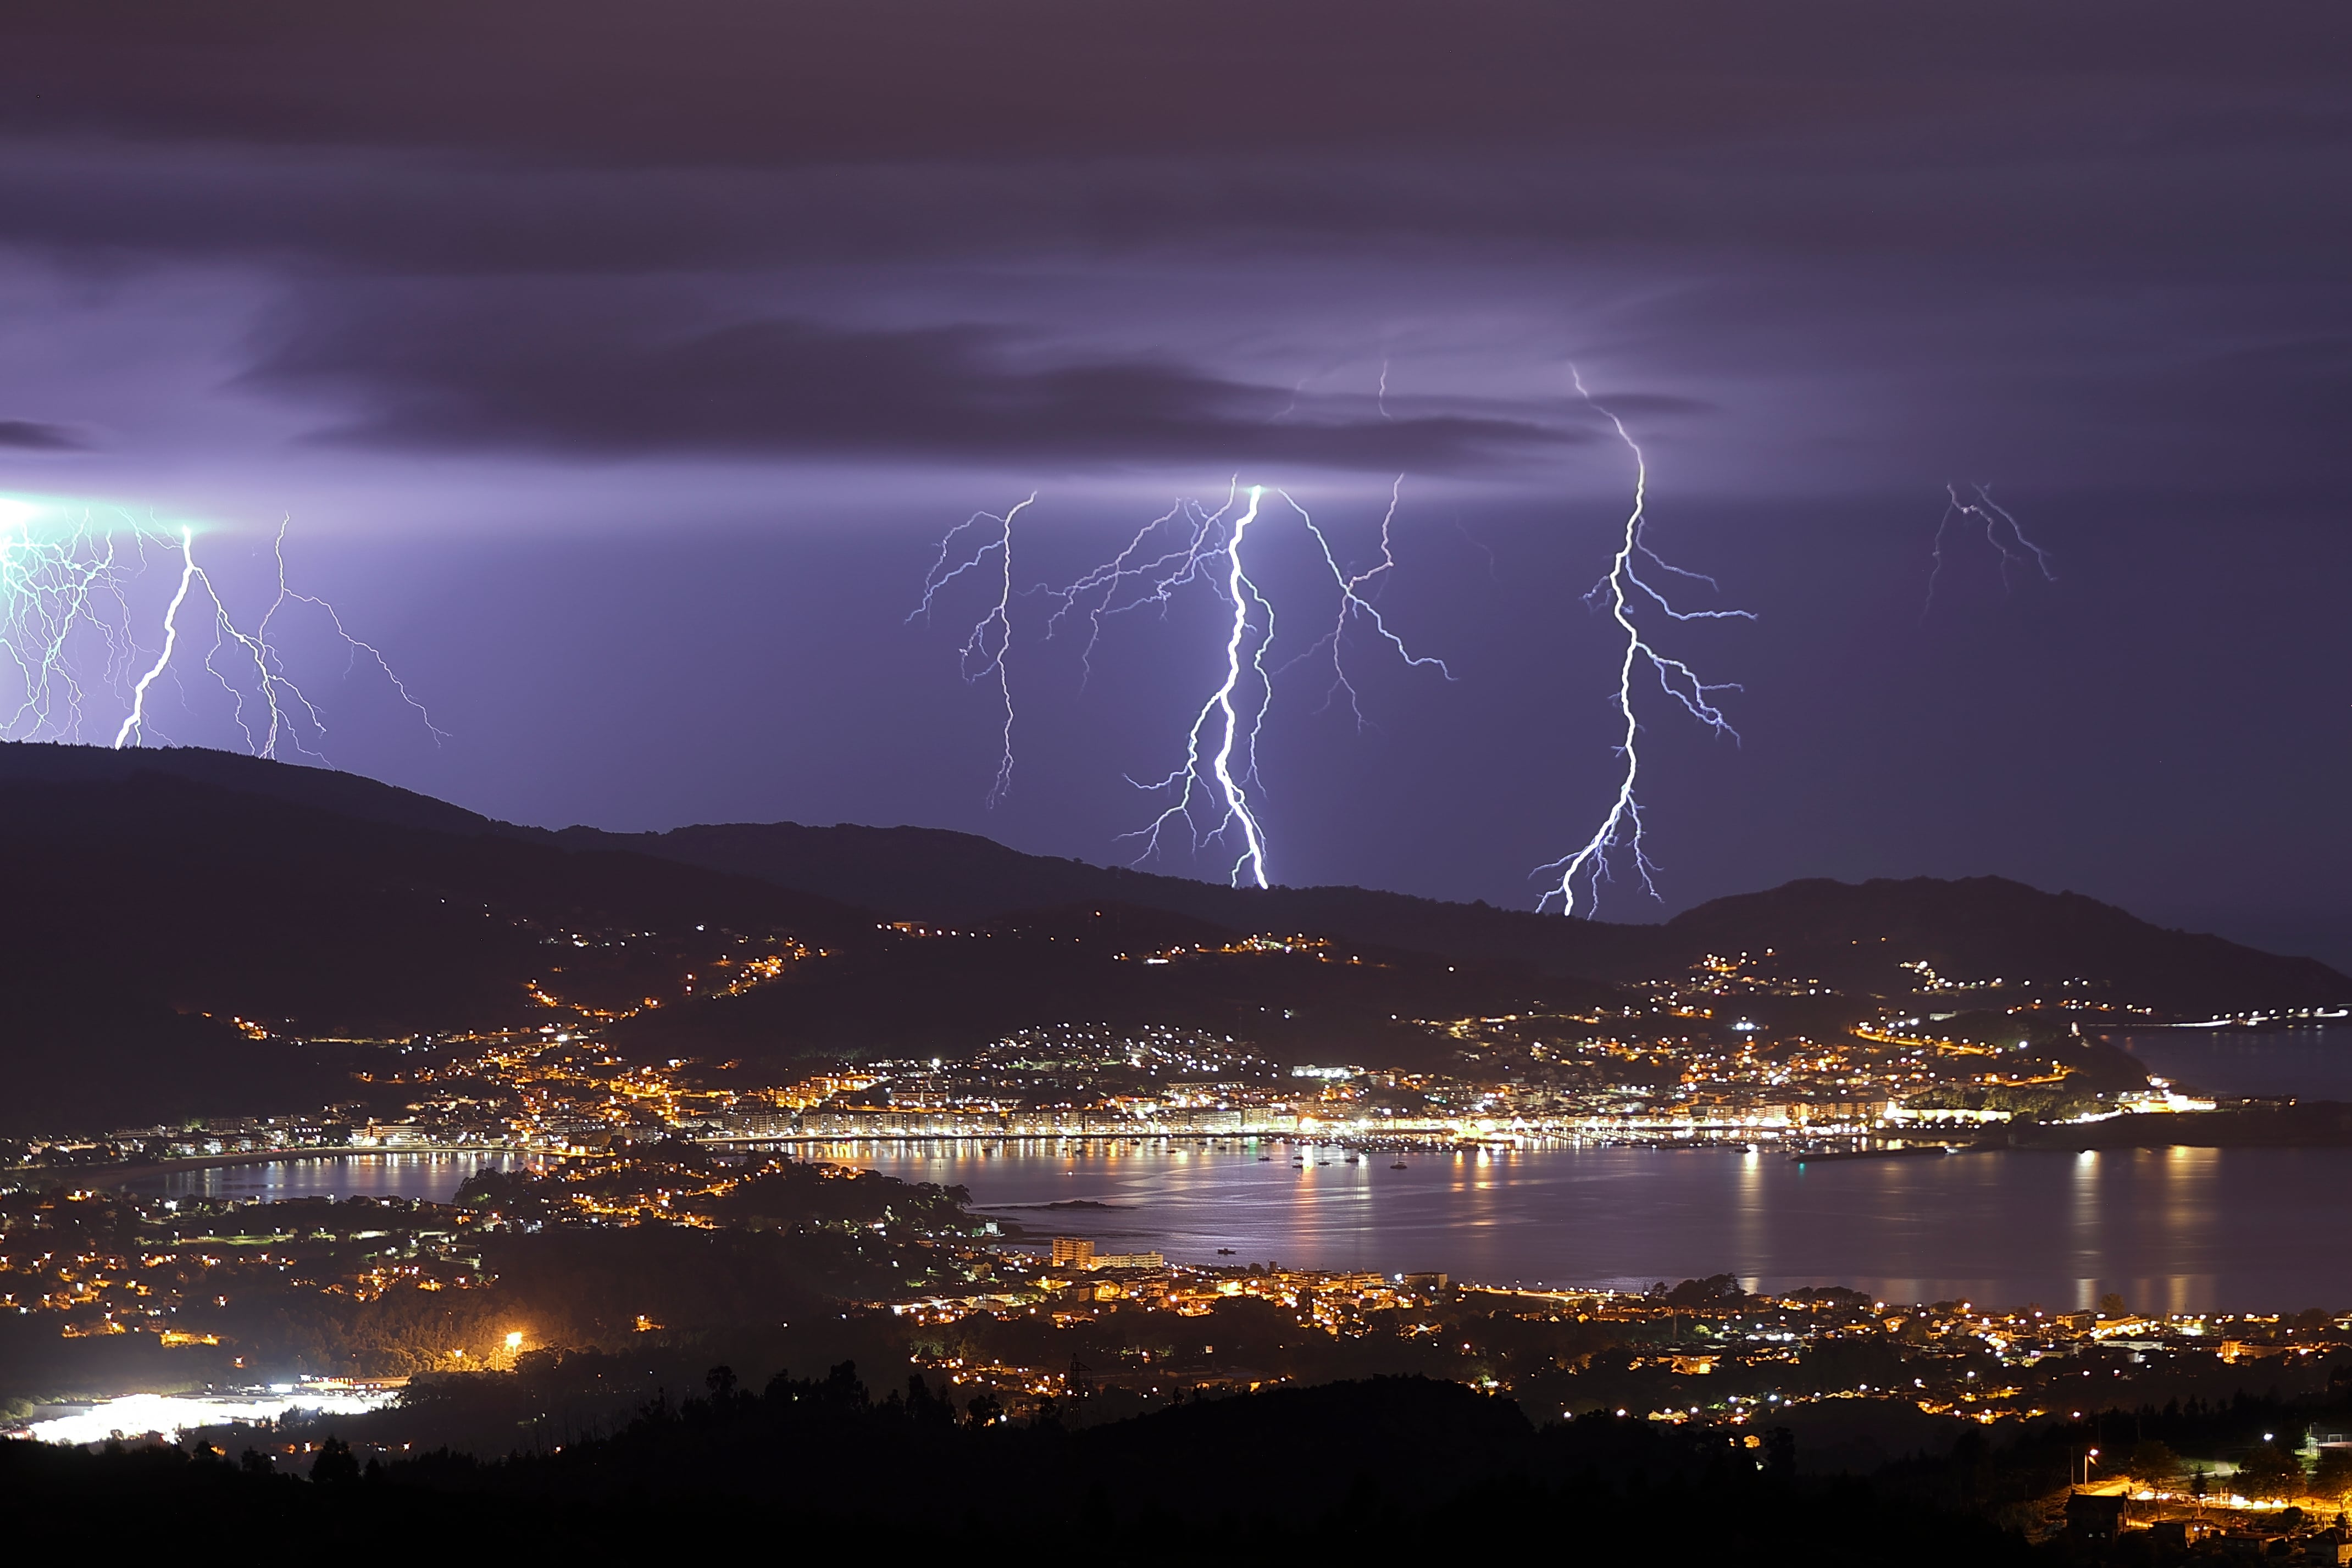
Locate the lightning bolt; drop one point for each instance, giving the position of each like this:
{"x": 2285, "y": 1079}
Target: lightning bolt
{"x": 51, "y": 591}
{"x": 357, "y": 646}
{"x": 1179, "y": 548}
{"x": 134, "y": 723}
{"x": 1242, "y": 594}
{"x": 1625, "y": 589}
{"x": 991, "y": 642}
{"x": 1160, "y": 576}
{"x": 1353, "y": 603}
{"x": 61, "y": 588}
{"x": 2001, "y": 531}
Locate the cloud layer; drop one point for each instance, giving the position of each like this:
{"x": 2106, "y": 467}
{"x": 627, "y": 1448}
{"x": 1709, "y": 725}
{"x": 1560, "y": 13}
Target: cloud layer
{"x": 586, "y": 385}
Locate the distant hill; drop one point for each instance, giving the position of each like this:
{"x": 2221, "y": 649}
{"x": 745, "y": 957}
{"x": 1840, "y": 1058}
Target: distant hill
{"x": 947, "y": 993}
{"x": 155, "y": 898}
{"x": 145, "y": 912}
{"x": 950, "y": 879}
{"x": 1983, "y": 929}
{"x": 352, "y": 795}
{"x": 1857, "y": 938}
{"x": 147, "y": 889}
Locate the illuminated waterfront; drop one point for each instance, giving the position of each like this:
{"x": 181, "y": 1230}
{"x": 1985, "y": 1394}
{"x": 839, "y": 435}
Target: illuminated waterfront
{"x": 2173, "y": 1230}
{"x": 435, "y": 1177}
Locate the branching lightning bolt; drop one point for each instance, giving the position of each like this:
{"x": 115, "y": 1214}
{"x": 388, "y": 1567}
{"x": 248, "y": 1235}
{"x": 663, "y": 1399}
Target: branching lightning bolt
{"x": 1160, "y": 576}
{"x": 335, "y": 619}
{"x": 1231, "y": 786}
{"x": 1625, "y": 592}
{"x": 1174, "y": 550}
{"x": 64, "y": 597}
{"x": 1353, "y": 603}
{"x": 2001, "y": 531}
{"x": 986, "y": 652}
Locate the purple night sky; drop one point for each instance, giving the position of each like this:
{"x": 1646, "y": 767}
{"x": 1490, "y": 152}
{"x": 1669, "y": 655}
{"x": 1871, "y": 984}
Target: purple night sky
{"x": 619, "y": 367}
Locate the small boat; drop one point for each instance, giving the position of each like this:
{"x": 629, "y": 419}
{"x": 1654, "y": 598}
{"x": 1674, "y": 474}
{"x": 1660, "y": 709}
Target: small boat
{"x": 1266, "y": 1159}
{"x": 1224, "y": 1251}
{"x": 1400, "y": 1166}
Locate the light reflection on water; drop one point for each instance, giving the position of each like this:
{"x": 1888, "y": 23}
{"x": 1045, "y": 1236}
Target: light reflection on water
{"x": 2175, "y": 1229}
{"x": 435, "y": 1177}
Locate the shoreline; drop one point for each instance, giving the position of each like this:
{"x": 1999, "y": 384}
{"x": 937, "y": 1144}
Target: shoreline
{"x": 120, "y": 1176}
{"x": 2318, "y": 1123}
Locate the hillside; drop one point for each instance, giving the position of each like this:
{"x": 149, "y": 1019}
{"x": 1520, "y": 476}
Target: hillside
{"x": 1856, "y": 938}
{"x": 949, "y": 993}
{"x": 951, "y": 879}
{"x": 1981, "y": 929}
{"x": 156, "y": 895}
{"x": 144, "y": 914}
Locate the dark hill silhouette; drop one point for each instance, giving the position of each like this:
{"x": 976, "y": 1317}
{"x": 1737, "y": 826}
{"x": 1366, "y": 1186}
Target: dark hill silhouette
{"x": 1856, "y": 938}
{"x": 1384, "y": 1467}
{"x": 905, "y": 994}
{"x": 324, "y": 789}
{"x": 1972, "y": 929}
{"x": 147, "y": 889}
{"x": 136, "y": 906}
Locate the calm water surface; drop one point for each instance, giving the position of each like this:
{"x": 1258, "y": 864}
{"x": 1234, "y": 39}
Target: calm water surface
{"x": 2174, "y": 1229}
{"x": 2315, "y": 1063}
{"x": 435, "y": 1178}
{"x": 2171, "y": 1229}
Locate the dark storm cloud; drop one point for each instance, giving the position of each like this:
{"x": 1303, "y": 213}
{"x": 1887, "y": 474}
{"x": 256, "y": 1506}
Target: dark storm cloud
{"x": 27, "y": 435}
{"x": 531, "y": 135}
{"x": 1985, "y": 208}
{"x": 599, "y": 383}
{"x": 754, "y": 82}
{"x": 2141, "y": 217}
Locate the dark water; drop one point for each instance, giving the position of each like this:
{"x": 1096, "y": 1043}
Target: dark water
{"x": 435, "y": 1178}
{"x": 2173, "y": 1230}
{"x": 2315, "y": 1064}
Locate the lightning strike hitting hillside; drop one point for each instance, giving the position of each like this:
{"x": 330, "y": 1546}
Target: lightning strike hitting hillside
{"x": 1625, "y": 589}
{"x": 2001, "y": 531}
{"x": 1175, "y": 549}
{"x": 134, "y": 723}
{"x": 1230, "y": 787}
{"x": 998, "y": 621}
{"x": 67, "y": 626}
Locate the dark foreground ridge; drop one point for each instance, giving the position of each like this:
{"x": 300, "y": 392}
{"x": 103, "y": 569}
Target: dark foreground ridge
{"x": 1388, "y": 1464}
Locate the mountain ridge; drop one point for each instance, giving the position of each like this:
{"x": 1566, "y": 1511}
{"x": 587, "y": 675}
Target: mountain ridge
{"x": 1976, "y": 929}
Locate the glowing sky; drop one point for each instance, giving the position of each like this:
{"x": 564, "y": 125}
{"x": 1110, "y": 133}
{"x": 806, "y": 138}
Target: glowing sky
{"x": 619, "y": 367}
